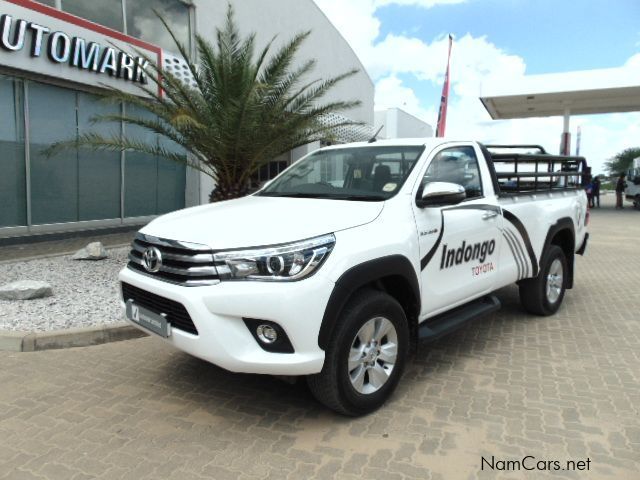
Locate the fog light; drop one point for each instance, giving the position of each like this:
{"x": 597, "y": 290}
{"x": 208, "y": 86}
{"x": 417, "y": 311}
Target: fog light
{"x": 270, "y": 336}
{"x": 266, "y": 333}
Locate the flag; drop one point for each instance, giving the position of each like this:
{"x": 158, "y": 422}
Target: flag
{"x": 442, "y": 113}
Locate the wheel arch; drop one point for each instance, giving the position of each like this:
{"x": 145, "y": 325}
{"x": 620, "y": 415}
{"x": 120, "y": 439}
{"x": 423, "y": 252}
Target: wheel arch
{"x": 562, "y": 234}
{"x": 393, "y": 274}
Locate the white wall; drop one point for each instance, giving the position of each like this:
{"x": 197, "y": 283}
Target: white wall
{"x": 387, "y": 122}
{"x": 298, "y": 153}
{"x": 206, "y": 187}
{"x": 400, "y": 124}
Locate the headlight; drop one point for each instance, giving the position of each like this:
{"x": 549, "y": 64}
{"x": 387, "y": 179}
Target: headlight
{"x": 288, "y": 262}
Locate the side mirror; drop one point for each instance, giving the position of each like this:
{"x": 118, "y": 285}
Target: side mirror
{"x": 439, "y": 194}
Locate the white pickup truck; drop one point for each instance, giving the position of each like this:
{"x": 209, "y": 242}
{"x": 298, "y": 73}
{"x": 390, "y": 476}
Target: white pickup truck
{"x": 340, "y": 266}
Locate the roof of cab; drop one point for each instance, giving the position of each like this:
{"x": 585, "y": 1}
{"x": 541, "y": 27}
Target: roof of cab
{"x": 399, "y": 142}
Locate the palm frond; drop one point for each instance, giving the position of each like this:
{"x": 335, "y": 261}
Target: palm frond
{"x": 244, "y": 110}
{"x": 280, "y": 63}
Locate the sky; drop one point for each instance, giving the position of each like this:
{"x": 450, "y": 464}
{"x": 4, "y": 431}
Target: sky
{"x": 403, "y": 46}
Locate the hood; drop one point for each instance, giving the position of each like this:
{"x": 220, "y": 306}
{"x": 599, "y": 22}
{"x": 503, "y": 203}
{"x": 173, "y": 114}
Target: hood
{"x": 256, "y": 221}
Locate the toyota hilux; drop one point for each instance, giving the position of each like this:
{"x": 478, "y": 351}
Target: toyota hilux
{"x": 356, "y": 254}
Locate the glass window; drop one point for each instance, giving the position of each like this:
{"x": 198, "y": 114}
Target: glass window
{"x": 98, "y": 171}
{"x": 456, "y": 165}
{"x": 172, "y": 178}
{"x": 51, "y": 3}
{"x": 270, "y": 170}
{"x": 13, "y": 196}
{"x": 103, "y": 12}
{"x": 362, "y": 173}
{"x": 141, "y": 171}
{"x": 54, "y": 180}
{"x": 153, "y": 185}
{"x": 77, "y": 184}
{"x": 143, "y": 23}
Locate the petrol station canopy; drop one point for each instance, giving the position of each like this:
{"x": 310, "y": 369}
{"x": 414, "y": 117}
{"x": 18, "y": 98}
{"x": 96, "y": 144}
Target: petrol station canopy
{"x": 572, "y": 93}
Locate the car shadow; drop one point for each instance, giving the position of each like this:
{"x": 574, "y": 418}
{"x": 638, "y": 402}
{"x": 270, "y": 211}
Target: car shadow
{"x": 221, "y": 392}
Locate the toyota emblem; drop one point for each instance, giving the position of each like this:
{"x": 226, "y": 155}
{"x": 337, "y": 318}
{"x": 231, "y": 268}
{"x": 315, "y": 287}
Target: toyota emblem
{"x": 152, "y": 260}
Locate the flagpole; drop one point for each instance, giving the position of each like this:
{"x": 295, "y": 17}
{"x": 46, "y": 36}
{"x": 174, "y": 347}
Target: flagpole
{"x": 444, "y": 99}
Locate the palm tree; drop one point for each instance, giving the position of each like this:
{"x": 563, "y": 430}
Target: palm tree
{"x": 242, "y": 112}
{"x": 622, "y": 161}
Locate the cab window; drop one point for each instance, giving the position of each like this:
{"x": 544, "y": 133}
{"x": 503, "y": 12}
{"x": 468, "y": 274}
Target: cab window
{"x": 455, "y": 165}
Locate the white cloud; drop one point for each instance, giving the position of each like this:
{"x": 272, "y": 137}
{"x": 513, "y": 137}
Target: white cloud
{"x": 476, "y": 62}
{"x": 391, "y": 93}
{"x": 633, "y": 64}
{"x": 605, "y": 135}
{"x": 356, "y": 21}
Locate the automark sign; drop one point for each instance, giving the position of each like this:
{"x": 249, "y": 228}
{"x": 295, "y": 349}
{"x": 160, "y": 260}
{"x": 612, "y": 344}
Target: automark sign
{"x": 75, "y": 51}
{"x": 46, "y": 41}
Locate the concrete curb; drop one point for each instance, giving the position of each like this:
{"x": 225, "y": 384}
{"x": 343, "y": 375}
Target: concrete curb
{"x": 73, "y": 337}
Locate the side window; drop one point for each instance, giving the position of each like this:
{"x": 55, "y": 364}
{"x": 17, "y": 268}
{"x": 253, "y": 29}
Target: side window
{"x": 456, "y": 165}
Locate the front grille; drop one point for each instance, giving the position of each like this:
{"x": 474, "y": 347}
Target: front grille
{"x": 176, "y": 314}
{"x": 182, "y": 263}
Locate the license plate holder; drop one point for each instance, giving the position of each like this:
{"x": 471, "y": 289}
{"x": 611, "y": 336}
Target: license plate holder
{"x": 152, "y": 321}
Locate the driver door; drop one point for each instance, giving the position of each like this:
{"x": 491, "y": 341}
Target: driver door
{"x": 459, "y": 244}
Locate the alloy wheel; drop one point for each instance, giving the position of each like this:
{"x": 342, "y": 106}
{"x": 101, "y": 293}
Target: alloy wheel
{"x": 373, "y": 355}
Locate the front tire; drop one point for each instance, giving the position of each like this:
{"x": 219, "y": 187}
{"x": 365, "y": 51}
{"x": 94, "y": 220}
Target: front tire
{"x": 365, "y": 357}
{"x": 543, "y": 294}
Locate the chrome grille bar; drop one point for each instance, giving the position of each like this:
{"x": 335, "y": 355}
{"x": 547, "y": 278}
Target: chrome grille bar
{"x": 196, "y": 258}
{"x": 181, "y": 263}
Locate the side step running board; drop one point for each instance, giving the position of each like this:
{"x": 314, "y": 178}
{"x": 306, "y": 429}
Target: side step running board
{"x": 447, "y": 322}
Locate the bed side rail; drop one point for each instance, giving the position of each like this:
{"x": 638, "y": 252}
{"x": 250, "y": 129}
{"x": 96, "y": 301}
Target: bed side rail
{"x": 536, "y": 172}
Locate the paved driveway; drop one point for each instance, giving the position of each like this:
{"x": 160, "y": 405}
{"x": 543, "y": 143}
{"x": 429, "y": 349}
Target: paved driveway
{"x": 507, "y": 387}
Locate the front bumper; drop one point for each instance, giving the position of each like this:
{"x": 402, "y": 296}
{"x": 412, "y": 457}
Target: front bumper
{"x": 223, "y": 338}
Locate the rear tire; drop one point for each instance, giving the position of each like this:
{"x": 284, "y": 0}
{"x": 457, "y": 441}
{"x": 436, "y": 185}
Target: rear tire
{"x": 543, "y": 294}
{"x": 365, "y": 357}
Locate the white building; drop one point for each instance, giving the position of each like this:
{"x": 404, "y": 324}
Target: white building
{"x": 396, "y": 123}
{"x": 55, "y": 55}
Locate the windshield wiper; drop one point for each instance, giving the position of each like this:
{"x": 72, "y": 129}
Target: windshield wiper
{"x": 325, "y": 196}
{"x": 363, "y": 198}
{"x": 292, "y": 194}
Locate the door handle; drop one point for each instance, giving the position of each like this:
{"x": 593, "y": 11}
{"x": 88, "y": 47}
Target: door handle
{"x": 489, "y": 215}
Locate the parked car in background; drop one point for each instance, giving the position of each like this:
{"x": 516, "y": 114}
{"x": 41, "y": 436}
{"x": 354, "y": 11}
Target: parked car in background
{"x": 632, "y": 192}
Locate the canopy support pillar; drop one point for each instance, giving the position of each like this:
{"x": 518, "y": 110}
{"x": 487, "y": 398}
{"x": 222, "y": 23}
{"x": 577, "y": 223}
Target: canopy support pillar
{"x": 565, "y": 140}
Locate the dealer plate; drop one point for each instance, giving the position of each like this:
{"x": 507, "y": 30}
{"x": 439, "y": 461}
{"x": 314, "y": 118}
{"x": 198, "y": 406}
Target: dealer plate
{"x": 150, "y": 320}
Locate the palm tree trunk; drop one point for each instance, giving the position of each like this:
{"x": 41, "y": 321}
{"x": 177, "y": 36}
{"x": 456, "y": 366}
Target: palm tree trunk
{"x": 229, "y": 191}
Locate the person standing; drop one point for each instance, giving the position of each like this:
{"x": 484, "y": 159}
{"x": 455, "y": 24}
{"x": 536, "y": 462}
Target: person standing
{"x": 621, "y": 185}
{"x": 595, "y": 192}
{"x": 589, "y": 190}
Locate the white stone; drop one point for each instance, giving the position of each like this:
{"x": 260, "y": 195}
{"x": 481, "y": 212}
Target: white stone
{"x": 25, "y": 290}
{"x": 93, "y": 251}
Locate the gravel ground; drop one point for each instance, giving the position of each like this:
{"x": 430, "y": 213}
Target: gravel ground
{"x": 85, "y": 293}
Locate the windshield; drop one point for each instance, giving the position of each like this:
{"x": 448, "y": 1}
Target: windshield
{"x": 361, "y": 173}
